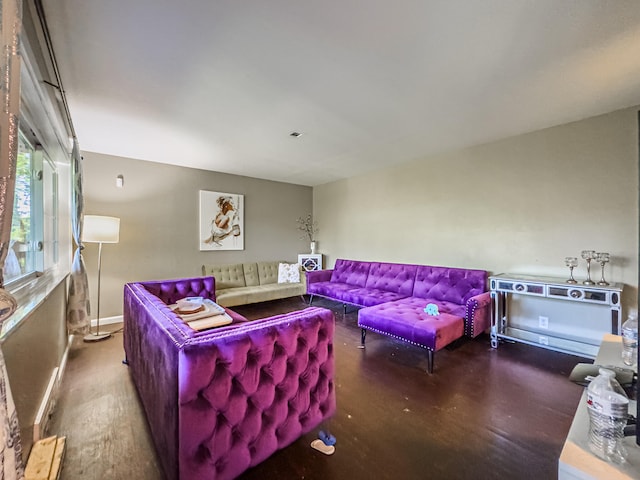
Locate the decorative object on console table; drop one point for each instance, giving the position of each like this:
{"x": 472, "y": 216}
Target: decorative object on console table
{"x": 99, "y": 229}
{"x": 602, "y": 258}
{"x": 310, "y": 262}
{"x": 589, "y": 255}
{"x": 571, "y": 262}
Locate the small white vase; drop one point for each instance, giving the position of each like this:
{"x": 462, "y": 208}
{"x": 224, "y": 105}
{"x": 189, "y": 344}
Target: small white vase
{"x": 313, "y": 246}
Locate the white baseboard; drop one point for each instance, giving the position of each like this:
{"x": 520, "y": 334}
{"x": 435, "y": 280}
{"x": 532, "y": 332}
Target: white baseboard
{"x": 50, "y": 397}
{"x": 47, "y": 405}
{"x": 107, "y": 320}
{"x": 63, "y": 361}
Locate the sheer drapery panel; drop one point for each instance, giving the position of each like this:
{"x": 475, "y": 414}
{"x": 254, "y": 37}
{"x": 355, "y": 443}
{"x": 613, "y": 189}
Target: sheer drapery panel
{"x": 78, "y": 308}
{"x": 11, "y": 466}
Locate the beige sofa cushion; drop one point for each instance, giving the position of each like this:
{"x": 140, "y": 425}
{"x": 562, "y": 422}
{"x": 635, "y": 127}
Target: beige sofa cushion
{"x": 227, "y": 276}
{"x": 268, "y": 272}
{"x": 244, "y": 283}
{"x": 232, "y": 297}
{"x": 251, "y": 274}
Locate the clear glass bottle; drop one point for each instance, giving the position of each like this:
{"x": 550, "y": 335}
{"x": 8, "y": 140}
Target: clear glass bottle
{"x": 630, "y": 338}
{"x": 608, "y": 408}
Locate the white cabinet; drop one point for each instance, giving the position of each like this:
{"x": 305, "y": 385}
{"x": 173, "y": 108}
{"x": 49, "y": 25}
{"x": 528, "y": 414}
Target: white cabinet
{"x": 310, "y": 261}
{"x": 551, "y": 313}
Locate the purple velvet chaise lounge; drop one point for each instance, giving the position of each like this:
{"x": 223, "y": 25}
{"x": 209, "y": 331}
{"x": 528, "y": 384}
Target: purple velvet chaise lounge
{"x": 393, "y": 297}
{"x": 222, "y": 400}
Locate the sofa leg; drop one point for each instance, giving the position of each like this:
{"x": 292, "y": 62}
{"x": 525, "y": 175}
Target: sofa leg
{"x": 310, "y": 299}
{"x": 344, "y": 308}
{"x": 363, "y": 336}
{"x": 430, "y": 361}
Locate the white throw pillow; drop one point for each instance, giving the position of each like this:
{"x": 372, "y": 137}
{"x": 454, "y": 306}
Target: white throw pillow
{"x": 288, "y": 273}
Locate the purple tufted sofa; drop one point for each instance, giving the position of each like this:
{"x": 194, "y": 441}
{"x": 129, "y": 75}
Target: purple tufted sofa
{"x": 393, "y": 297}
{"x": 222, "y": 400}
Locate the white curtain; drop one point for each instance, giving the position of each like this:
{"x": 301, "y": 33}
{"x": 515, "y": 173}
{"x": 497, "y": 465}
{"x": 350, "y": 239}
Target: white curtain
{"x": 11, "y": 466}
{"x": 78, "y": 308}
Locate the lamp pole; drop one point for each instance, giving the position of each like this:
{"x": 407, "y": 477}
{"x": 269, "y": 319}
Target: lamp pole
{"x": 94, "y": 337}
{"x": 99, "y": 229}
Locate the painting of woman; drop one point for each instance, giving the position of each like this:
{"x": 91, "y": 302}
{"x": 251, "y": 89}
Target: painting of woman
{"x": 221, "y": 221}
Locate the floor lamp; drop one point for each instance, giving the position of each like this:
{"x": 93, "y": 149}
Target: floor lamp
{"x": 99, "y": 229}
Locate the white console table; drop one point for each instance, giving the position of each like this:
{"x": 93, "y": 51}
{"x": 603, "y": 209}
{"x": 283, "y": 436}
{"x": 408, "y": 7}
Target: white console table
{"x": 576, "y": 460}
{"x": 551, "y": 313}
{"x": 310, "y": 261}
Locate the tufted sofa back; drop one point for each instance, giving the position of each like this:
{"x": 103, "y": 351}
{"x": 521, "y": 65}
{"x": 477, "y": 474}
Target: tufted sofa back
{"x": 351, "y": 272}
{"x": 392, "y": 277}
{"x": 169, "y": 291}
{"x": 227, "y": 276}
{"x": 220, "y": 401}
{"x": 255, "y": 392}
{"x": 268, "y": 272}
{"x": 454, "y": 285}
{"x": 243, "y": 274}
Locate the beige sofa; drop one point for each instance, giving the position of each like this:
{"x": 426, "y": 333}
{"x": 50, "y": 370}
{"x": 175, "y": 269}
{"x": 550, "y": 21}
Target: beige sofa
{"x": 243, "y": 283}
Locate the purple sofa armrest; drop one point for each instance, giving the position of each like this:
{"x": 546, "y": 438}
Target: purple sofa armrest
{"x": 478, "y": 316}
{"x": 316, "y": 276}
{"x": 169, "y": 291}
{"x": 151, "y": 344}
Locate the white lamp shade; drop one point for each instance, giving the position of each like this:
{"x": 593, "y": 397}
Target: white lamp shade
{"x": 100, "y": 229}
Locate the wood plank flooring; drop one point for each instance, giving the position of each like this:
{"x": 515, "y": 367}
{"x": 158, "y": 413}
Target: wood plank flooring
{"x": 482, "y": 414}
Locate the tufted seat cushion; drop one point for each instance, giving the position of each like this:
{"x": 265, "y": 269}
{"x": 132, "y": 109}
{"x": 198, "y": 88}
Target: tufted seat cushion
{"x": 406, "y": 319}
{"x": 365, "y": 296}
{"x": 328, "y": 288}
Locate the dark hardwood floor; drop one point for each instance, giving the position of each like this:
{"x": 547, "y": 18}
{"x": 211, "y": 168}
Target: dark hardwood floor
{"x": 483, "y": 413}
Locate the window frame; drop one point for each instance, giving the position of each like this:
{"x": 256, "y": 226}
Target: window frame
{"x": 42, "y": 121}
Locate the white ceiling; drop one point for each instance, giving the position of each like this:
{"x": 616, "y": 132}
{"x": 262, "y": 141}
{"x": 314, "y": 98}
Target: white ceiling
{"x": 220, "y": 84}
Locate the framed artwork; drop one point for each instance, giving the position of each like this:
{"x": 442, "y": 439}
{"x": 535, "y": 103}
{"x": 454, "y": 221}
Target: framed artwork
{"x": 221, "y": 221}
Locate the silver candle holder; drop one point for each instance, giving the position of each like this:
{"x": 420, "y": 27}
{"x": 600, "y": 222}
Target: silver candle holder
{"x": 588, "y": 255}
{"x": 571, "y": 262}
{"x": 602, "y": 258}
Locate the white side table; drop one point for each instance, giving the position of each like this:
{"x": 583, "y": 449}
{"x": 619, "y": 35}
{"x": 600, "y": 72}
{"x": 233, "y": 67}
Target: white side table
{"x": 310, "y": 261}
{"x": 576, "y": 460}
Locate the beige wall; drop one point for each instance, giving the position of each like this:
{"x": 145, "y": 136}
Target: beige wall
{"x": 518, "y": 205}
{"x": 158, "y": 210}
{"x": 31, "y": 352}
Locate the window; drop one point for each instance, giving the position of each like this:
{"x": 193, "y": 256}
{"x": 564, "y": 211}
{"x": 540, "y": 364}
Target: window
{"x": 34, "y": 228}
